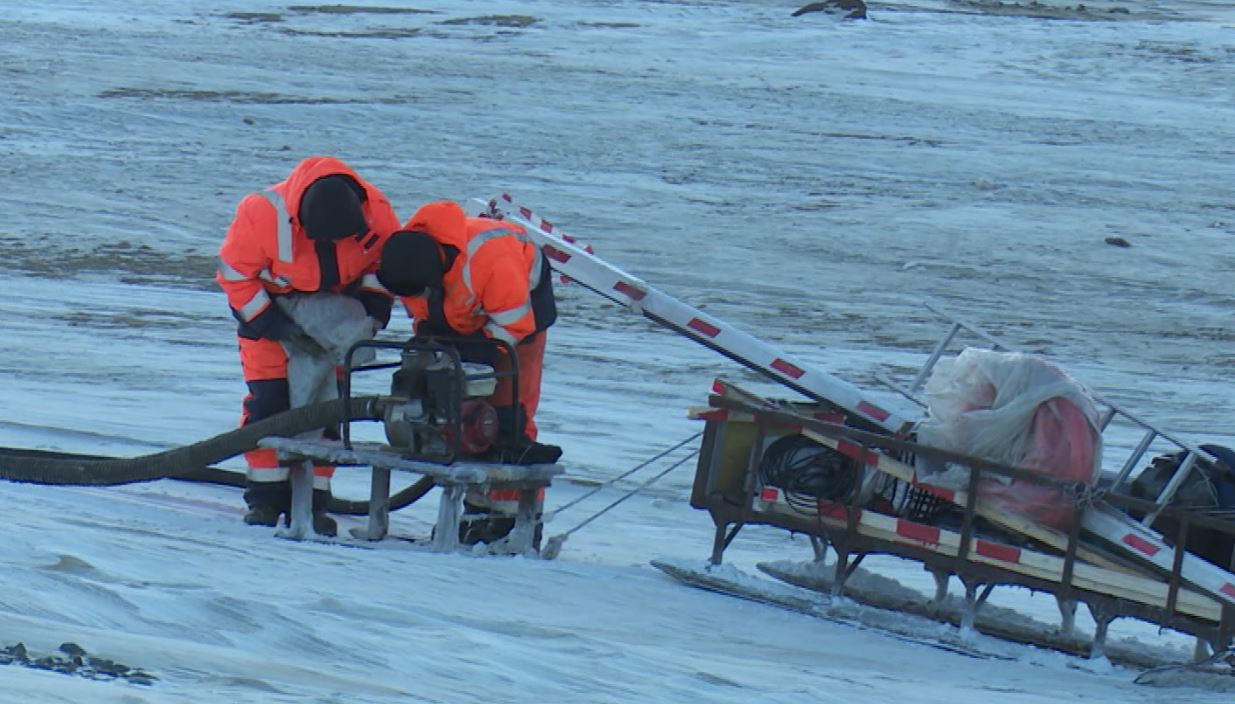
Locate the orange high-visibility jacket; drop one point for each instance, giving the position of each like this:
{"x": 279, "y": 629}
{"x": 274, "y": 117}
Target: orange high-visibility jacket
{"x": 487, "y": 287}
{"x": 267, "y": 252}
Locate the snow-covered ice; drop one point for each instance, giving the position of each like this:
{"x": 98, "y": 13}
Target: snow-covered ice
{"x": 810, "y": 180}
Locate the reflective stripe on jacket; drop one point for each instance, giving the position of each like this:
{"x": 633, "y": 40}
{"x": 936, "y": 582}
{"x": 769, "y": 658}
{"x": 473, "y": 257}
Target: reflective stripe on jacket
{"x": 266, "y": 252}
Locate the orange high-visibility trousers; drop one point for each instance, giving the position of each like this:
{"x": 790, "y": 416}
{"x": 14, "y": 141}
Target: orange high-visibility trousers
{"x": 265, "y": 371}
{"x": 531, "y": 353}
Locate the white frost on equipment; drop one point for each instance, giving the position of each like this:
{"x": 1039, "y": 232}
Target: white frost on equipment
{"x": 455, "y": 479}
{"x": 1131, "y": 538}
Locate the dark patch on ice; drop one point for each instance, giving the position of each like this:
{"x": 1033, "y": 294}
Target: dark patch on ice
{"x": 1181, "y": 53}
{"x": 72, "y": 659}
{"x": 1044, "y": 11}
{"x": 610, "y": 25}
{"x": 147, "y": 319}
{"x": 255, "y": 17}
{"x": 804, "y": 130}
{"x": 516, "y": 21}
{"x": 135, "y": 263}
{"x": 230, "y": 96}
{"x": 1117, "y": 241}
{"x": 395, "y": 33}
{"x": 358, "y": 10}
{"x": 717, "y": 679}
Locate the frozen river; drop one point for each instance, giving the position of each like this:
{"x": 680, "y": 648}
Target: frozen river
{"x": 813, "y": 181}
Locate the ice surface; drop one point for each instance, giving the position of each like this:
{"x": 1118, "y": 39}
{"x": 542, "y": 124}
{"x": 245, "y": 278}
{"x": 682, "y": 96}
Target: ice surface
{"x": 807, "y": 179}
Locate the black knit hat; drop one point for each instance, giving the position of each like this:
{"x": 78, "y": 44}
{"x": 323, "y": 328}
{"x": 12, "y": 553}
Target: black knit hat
{"x": 330, "y": 209}
{"x": 411, "y": 262}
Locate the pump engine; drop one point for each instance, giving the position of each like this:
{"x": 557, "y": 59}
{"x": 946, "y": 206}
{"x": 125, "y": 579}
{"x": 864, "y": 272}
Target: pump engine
{"x": 439, "y": 413}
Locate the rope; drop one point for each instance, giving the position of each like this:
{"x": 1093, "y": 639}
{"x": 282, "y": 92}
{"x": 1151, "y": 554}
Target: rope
{"x": 553, "y": 546}
{"x": 1083, "y": 495}
{"x": 622, "y": 476}
{"x": 628, "y": 494}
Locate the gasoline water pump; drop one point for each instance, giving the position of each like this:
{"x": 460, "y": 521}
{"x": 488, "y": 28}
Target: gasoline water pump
{"x": 437, "y": 409}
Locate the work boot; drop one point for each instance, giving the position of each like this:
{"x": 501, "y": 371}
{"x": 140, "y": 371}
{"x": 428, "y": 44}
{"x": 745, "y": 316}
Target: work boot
{"x": 267, "y": 501}
{"x": 525, "y": 452}
{"x": 263, "y": 516}
{"x": 323, "y": 523}
{"x": 488, "y": 526}
{"x": 541, "y": 453}
{"x": 482, "y": 524}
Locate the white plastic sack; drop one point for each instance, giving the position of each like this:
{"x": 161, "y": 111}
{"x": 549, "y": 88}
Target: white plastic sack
{"x": 1020, "y": 410}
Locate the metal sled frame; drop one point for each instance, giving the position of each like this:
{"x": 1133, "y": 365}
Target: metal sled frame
{"x": 737, "y": 433}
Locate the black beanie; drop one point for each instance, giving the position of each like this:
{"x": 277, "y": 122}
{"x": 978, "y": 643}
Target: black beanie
{"x": 411, "y": 262}
{"x": 330, "y": 209}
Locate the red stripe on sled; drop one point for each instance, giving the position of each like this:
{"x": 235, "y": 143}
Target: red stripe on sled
{"x": 1141, "y": 544}
{"x": 769, "y": 493}
{"x": 995, "y": 551}
{"x": 699, "y": 325}
{"x": 855, "y": 452}
{"x": 873, "y": 411}
{"x": 546, "y": 225}
{"x": 1228, "y": 589}
{"x": 917, "y": 531}
{"x": 948, "y": 495}
{"x": 630, "y": 291}
{"x": 787, "y": 369}
{"x": 836, "y": 511}
{"x": 555, "y": 254}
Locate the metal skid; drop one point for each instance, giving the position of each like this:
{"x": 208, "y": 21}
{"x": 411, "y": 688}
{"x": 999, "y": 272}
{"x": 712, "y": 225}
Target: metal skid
{"x": 454, "y": 479}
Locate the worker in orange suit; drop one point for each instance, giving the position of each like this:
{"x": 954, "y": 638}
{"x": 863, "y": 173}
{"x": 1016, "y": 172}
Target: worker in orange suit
{"x": 481, "y": 278}
{"x": 319, "y": 230}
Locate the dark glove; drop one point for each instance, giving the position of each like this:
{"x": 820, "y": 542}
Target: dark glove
{"x": 376, "y": 306}
{"x": 273, "y": 324}
{"x": 477, "y": 348}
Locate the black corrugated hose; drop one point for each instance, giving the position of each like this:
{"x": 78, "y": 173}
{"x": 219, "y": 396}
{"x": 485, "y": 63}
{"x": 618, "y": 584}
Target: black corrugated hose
{"x": 192, "y": 462}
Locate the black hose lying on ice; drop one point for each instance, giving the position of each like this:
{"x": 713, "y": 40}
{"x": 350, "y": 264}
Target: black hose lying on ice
{"x": 182, "y": 460}
{"x": 225, "y": 477}
{"x": 191, "y": 462}
{"x": 343, "y": 507}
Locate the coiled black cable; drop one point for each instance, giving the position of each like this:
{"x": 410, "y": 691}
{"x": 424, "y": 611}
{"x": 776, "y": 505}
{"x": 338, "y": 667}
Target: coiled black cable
{"x": 808, "y": 473}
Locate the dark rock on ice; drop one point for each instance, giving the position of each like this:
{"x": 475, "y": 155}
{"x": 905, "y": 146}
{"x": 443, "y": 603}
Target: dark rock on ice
{"x": 849, "y": 9}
